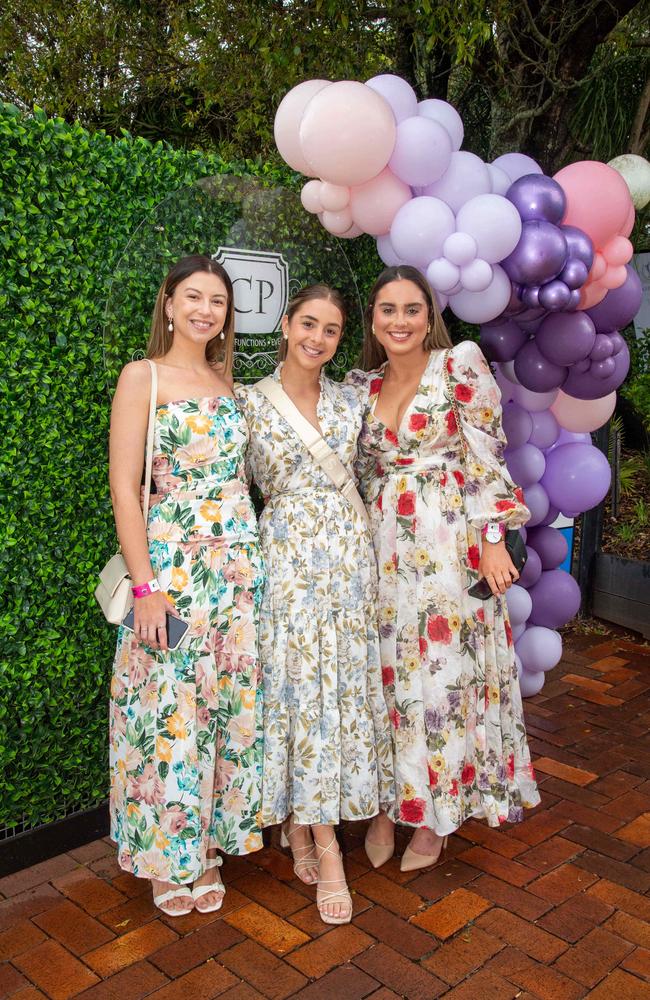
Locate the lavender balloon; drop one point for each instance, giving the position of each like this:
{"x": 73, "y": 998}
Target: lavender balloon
{"x": 536, "y": 499}
{"x": 556, "y": 599}
{"x": 532, "y": 571}
{"x": 535, "y": 372}
{"x": 525, "y": 464}
{"x": 519, "y": 605}
{"x": 545, "y": 429}
{"x": 551, "y": 516}
{"x": 539, "y": 648}
{"x": 531, "y": 682}
{"x": 577, "y": 477}
{"x": 587, "y": 386}
{"x": 620, "y": 305}
{"x": 550, "y": 544}
{"x": 517, "y": 425}
{"x": 501, "y": 341}
{"x": 539, "y": 256}
{"x": 564, "y": 338}
{"x": 536, "y": 196}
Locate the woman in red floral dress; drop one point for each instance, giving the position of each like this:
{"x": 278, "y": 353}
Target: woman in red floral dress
{"x": 448, "y": 662}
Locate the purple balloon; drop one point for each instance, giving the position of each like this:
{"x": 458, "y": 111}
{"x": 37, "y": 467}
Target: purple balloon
{"x": 620, "y": 305}
{"x": 536, "y": 196}
{"x": 536, "y": 499}
{"x": 535, "y": 372}
{"x": 530, "y": 296}
{"x": 577, "y": 477}
{"x": 526, "y": 464}
{"x": 550, "y": 544}
{"x": 539, "y": 648}
{"x": 532, "y": 571}
{"x": 574, "y": 299}
{"x": 517, "y": 631}
{"x": 534, "y": 401}
{"x": 501, "y": 341}
{"x": 603, "y": 369}
{"x": 517, "y": 424}
{"x": 539, "y": 256}
{"x": 545, "y": 429}
{"x": 516, "y": 165}
{"x": 519, "y": 605}
{"x": 582, "y": 366}
{"x": 551, "y": 516}
{"x": 570, "y": 437}
{"x": 579, "y": 244}
{"x": 587, "y": 386}
{"x": 574, "y": 273}
{"x": 556, "y": 599}
{"x": 531, "y": 682}
{"x": 554, "y": 295}
{"x": 506, "y": 387}
{"x": 564, "y": 338}
{"x": 603, "y": 347}
{"x": 618, "y": 342}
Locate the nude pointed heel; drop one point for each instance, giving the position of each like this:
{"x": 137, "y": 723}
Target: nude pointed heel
{"x": 378, "y": 854}
{"x": 412, "y": 861}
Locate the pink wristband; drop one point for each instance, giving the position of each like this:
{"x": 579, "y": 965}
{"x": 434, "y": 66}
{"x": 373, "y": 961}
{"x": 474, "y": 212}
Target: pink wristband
{"x": 144, "y": 589}
{"x": 491, "y": 529}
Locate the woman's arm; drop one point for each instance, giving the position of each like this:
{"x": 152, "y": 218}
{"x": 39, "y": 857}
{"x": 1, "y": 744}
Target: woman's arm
{"x": 129, "y": 418}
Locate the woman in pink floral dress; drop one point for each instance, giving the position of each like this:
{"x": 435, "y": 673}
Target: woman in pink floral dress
{"x": 448, "y": 663}
{"x": 186, "y": 738}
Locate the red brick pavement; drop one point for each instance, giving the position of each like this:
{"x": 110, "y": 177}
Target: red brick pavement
{"x": 555, "y": 908}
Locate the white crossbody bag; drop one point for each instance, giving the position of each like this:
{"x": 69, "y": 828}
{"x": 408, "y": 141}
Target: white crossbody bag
{"x": 113, "y": 592}
{"x": 314, "y": 442}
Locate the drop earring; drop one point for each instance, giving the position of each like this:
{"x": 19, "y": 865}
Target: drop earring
{"x": 170, "y": 325}
{"x": 222, "y": 336}
{"x": 285, "y": 336}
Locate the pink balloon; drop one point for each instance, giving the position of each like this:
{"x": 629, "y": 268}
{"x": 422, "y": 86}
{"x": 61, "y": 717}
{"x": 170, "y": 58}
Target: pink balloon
{"x": 614, "y": 277}
{"x": 517, "y": 165}
{"x": 310, "y": 197}
{"x": 375, "y": 203}
{"x": 350, "y": 233}
{"x": 493, "y": 222}
{"x": 598, "y": 199}
{"x": 591, "y": 294}
{"x": 629, "y": 222}
{"x": 422, "y": 151}
{"x": 347, "y": 133}
{"x": 618, "y": 251}
{"x": 287, "y": 124}
{"x": 397, "y": 92}
{"x": 337, "y": 222}
{"x": 333, "y": 197}
{"x": 481, "y": 307}
{"x": 445, "y": 115}
{"x": 465, "y": 178}
{"x": 598, "y": 267}
{"x": 582, "y": 415}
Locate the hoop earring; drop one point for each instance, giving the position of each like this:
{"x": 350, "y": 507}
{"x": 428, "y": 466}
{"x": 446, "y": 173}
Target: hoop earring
{"x": 170, "y": 325}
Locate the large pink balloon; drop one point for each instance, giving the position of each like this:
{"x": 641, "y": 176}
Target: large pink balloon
{"x": 582, "y": 414}
{"x": 375, "y": 203}
{"x": 287, "y": 124}
{"x": 347, "y": 133}
{"x": 465, "y": 178}
{"x": 397, "y": 92}
{"x": 598, "y": 199}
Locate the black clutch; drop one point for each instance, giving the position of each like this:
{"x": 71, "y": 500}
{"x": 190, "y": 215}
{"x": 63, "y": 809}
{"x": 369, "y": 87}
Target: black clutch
{"x": 516, "y": 550}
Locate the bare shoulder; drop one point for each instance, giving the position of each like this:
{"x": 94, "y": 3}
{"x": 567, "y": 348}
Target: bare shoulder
{"x": 135, "y": 376}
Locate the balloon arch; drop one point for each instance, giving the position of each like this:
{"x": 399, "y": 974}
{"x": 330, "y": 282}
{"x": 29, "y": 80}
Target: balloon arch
{"x": 540, "y": 262}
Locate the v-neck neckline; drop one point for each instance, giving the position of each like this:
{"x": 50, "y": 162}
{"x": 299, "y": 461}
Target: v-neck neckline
{"x": 409, "y": 406}
{"x": 277, "y": 374}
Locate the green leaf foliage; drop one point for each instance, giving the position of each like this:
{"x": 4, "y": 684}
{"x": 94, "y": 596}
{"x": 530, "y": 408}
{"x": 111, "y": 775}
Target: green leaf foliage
{"x": 71, "y": 203}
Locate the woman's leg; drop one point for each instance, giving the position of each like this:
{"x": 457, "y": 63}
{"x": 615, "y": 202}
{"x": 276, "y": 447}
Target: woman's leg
{"x": 335, "y": 903}
{"x": 300, "y": 840}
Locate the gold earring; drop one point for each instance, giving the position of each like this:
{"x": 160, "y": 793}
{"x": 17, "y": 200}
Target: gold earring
{"x": 372, "y": 330}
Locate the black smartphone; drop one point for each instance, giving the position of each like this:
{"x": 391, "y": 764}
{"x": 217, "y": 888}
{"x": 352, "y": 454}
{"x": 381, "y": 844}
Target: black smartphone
{"x": 481, "y": 590}
{"x": 176, "y": 628}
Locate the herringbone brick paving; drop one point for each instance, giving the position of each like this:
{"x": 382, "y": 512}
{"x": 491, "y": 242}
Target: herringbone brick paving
{"x": 555, "y": 908}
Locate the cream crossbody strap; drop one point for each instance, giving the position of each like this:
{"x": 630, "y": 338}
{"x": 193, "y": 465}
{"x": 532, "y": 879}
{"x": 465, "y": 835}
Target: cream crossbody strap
{"x": 321, "y": 452}
{"x": 150, "y": 431}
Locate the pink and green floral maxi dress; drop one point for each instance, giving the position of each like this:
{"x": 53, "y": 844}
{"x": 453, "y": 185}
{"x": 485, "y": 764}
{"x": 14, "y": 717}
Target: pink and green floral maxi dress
{"x": 448, "y": 662}
{"x": 185, "y": 726}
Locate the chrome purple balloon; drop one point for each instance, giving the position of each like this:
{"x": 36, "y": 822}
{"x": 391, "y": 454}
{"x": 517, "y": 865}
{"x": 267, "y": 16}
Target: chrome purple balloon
{"x": 539, "y": 256}
{"x": 574, "y": 273}
{"x": 536, "y": 196}
{"x": 554, "y": 295}
{"x": 579, "y": 244}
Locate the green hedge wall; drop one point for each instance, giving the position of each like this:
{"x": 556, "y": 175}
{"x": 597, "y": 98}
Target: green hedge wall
{"x": 71, "y": 202}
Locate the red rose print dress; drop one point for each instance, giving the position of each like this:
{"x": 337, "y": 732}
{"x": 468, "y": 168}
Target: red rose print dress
{"x": 448, "y": 663}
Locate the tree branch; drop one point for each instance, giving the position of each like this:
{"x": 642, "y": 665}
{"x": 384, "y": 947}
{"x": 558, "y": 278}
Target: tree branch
{"x": 636, "y": 145}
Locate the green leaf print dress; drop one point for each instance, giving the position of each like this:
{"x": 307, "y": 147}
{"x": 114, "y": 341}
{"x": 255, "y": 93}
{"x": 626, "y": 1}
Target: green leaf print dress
{"x": 185, "y": 726}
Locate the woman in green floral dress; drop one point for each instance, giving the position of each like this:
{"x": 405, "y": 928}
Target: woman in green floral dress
{"x": 185, "y": 739}
{"x": 327, "y": 747}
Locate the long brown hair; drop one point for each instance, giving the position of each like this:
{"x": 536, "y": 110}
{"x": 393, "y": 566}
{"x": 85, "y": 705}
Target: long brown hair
{"x": 372, "y": 353}
{"x": 308, "y": 294}
{"x": 217, "y": 351}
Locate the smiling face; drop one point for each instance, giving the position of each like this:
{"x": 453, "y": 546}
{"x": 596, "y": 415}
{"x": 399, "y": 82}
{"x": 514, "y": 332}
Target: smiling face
{"x": 400, "y": 318}
{"x": 313, "y": 333}
{"x": 198, "y": 307}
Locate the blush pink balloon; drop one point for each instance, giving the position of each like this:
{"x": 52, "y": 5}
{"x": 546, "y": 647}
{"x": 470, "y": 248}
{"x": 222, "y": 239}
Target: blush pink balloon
{"x": 287, "y": 124}
{"x": 375, "y": 203}
{"x": 618, "y": 251}
{"x": 598, "y": 199}
{"x": 350, "y": 233}
{"x": 347, "y": 133}
{"x": 310, "y": 197}
{"x": 591, "y": 294}
{"x": 337, "y": 223}
{"x": 614, "y": 277}
{"x": 582, "y": 415}
{"x": 334, "y": 197}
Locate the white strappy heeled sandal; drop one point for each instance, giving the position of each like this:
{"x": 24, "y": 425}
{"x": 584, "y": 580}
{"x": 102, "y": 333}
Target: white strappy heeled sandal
{"x": 203, "y": 890}
{"x": 326, "y": 896}
{"x": 181, "y": 892}
{"x": 302, "y": 861}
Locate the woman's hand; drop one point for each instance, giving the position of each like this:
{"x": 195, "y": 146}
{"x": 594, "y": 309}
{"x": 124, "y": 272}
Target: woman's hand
{"x": 150, "y": 619}
{"x": 497, "y": 567}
